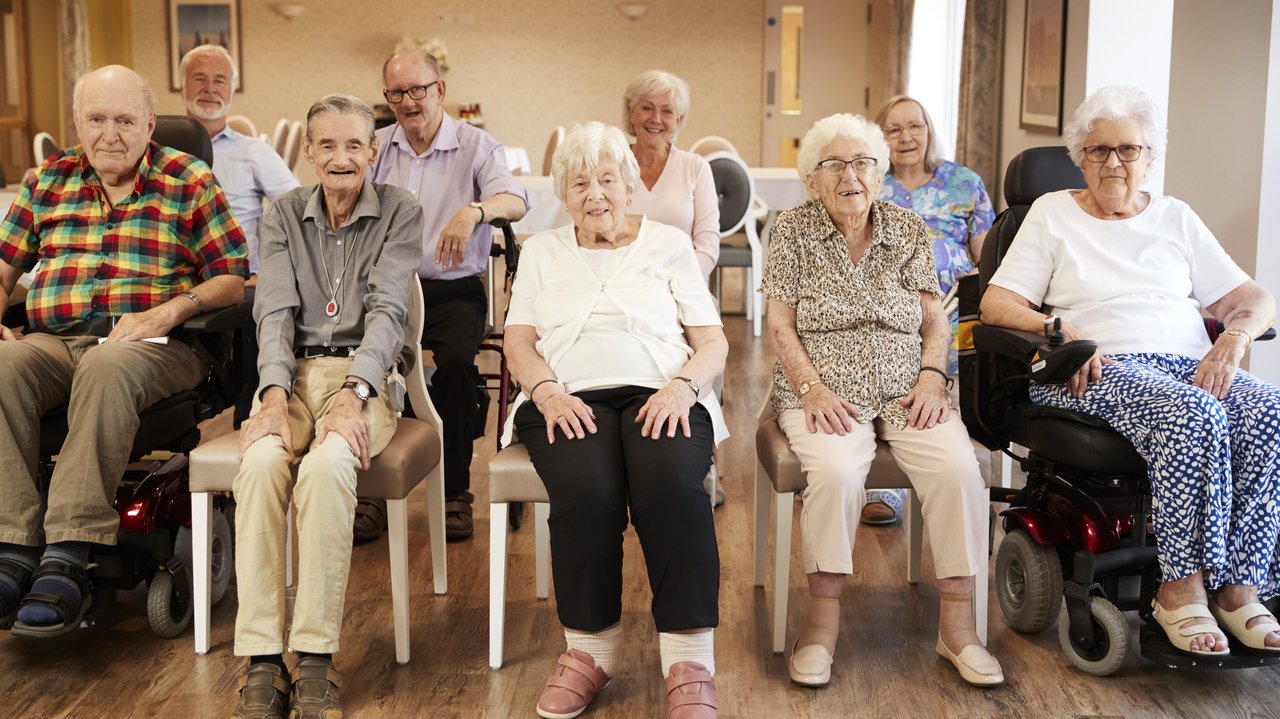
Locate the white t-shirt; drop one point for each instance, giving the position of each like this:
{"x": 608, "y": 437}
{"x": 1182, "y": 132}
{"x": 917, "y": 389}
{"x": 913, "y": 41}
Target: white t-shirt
{"x": 1132, "y": 285}
{"x": 650, "y": 293}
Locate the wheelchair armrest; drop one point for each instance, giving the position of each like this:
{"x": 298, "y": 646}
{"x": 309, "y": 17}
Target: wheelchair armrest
{"x": 1007, "y": 342}
{"x": 225, "y": 319}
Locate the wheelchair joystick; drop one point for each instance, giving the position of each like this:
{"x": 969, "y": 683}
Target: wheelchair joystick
{"x": 1058, "y": 359}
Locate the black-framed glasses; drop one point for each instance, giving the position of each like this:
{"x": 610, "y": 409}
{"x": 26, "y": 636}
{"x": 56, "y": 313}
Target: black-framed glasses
{"x": 417, "y": 92}
{"x": 915, "y": 129}
{"x": 835, "y": 165}
{"x": 1126, "y": 153}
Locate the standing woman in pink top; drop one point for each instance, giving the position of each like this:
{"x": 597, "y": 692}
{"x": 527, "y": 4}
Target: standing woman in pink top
{"x": 675, "y": 186}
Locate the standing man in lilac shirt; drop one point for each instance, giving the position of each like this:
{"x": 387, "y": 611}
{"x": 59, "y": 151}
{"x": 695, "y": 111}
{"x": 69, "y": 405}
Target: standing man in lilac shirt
{"x": 459, "y": 174}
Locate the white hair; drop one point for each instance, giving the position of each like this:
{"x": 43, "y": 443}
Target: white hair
{"x": 584, "y": 147}
{"x": 148, "y": 95}
{"x": 1116, "y": 102}
{"x": 652, "y": 84}
{"x": 217, "y": 50}
{"x": 846, "y": 126}
{"x": 343, "y": 105}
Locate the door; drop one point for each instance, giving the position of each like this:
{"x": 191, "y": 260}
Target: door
{"x": 15, "y": 141}
{"x": 814, "y": 66}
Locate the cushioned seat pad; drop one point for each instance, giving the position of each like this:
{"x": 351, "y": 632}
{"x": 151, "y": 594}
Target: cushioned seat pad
{"x": 1082, "y": 441}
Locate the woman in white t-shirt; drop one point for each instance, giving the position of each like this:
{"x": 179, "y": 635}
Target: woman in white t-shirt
{"x": 616, "y": 340}
{"x": 1132, "y": 271}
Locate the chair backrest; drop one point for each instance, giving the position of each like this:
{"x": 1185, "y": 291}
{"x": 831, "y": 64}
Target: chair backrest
{"x": 293, "y": 145}
{"x": 184, "y": 134}
{"x": 279, "y": 135}
{"x": 557, "y": 137}
{"x": 242, "y": 125}
{"x": 735, "y": 189}
{"x": 711, "y": 144}
{"x": 42, "y": 146}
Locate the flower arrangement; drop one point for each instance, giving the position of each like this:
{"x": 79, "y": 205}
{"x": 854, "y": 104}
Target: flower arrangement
{"x": 435, "y": 47}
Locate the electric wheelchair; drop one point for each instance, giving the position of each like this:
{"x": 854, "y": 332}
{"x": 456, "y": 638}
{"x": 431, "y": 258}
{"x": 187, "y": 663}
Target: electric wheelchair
{"x": 153, "y": 500}
{"x": 1081, "y": 528}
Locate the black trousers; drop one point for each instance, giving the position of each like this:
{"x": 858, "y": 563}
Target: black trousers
{"x": 593, "y": 483}
{"x": 453, "y": 329}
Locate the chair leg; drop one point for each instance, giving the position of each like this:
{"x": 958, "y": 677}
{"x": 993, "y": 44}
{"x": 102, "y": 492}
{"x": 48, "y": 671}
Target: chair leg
{"x": 980, "y": 588}
{"x": 763, "y": 490}
{"x": 1006, "y": 470}
{"x": 398, "y": 541}
{"x": 435, "y": 524}
{"x": 288, "y": 544}
{"x": 201, "y": 527}
{"x": 747, "y": 281}
{"x": 541, "y": 549}
{"x": 497, "y": 580}
{"x": 915, "y": 536}
{"x": 758, "y": 300}
{"x": 782, "y": 567}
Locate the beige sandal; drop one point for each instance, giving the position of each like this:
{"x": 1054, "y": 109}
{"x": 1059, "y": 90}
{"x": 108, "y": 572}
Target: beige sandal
{"x": 1237, "y": 624}
{"x": 1180, "y": 637}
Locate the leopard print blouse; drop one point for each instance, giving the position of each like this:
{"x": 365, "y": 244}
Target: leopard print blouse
{"x": 860, "y": 324}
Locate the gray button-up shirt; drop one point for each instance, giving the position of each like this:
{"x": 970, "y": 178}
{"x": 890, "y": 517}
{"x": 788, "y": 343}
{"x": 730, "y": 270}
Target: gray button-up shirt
{"x": 375, "y": 255}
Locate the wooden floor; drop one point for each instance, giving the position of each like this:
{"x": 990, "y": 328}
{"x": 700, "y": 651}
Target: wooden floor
{"x": 885, "y": 665}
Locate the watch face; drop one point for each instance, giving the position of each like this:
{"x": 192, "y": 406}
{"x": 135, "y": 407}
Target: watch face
{"x": 362, "y": 391}
{"x": 804, "y": 388}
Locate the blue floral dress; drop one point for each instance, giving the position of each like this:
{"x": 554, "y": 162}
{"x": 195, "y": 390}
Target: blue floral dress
{"x": 956, "y": 207}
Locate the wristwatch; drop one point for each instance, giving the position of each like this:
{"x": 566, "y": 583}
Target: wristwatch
{"x": 806, "y": 386}
{"x": 480, "y": 207}
{"x": 360, "y": 388}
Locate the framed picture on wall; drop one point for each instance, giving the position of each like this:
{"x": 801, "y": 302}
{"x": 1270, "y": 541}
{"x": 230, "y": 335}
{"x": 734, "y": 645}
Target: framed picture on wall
{"x": 202, "y": 22}
{"x": 1043, "y": 52}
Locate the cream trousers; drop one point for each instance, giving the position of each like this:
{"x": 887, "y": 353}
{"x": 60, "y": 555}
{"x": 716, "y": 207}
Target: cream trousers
{"x": 943, "y": 471}
{"x": 325, "y": 496}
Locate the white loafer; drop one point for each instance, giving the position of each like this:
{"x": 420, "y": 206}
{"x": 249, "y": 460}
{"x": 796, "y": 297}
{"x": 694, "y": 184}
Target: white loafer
{"x": 975, "y": 664}
{"x": 810, "y": 665}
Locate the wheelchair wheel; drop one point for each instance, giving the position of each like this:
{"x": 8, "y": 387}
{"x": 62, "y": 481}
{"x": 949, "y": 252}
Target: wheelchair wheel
{"x": 222, "y": 557}
{"x": 169, "y": 607}
{"x": 1028, "y": 582}
{"x": 1107, "y": 655}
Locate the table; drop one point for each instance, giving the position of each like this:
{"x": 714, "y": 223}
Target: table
{"x": 779, "y": 187}
{"x": 546, "y": 211}
{"x": 518, "y": 160}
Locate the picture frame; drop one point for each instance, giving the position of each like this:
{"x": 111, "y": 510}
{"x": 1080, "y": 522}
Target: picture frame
{"x": 1043, "y": 61}
{"x": 197, "y": 22}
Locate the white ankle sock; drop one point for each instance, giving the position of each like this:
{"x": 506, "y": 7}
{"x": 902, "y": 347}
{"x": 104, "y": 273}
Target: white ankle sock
{"x": 602, "y": 646}
{"x": 699, "y": 648}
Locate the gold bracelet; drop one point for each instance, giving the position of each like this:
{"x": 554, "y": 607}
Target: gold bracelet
{"x": 1239, "y": 333}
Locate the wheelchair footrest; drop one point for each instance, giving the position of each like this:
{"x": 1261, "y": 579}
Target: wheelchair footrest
{"x": 1155, "y": 647}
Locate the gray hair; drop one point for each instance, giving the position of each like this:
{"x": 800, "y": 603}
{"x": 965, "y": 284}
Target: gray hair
{"x": 148, "y": 95}
{"x": 1116, "y": 102}
{"x": 584, "y": 147}
{"x": 216, "y": 50}
{"x": 432, "y": 63}
{"x": 342, "y": 104}
{"x": 931, "y": 157}
{"x": 652, "y": 84}
{"x": 842, "y": 125}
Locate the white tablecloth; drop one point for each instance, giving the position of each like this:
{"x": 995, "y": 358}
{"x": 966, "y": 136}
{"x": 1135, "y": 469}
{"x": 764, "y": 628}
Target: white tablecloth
{"x": 518, "y": 160}
{"x": 545, "y": 210}
{"x": 779, "y": 187}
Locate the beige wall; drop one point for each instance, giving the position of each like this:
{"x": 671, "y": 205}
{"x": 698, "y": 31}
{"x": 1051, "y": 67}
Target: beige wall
{"x": 42, "y": 69}
{"x": 532, "y": 64}
{"x": 110, "y": 40}
{"x": 1014, "y": 139}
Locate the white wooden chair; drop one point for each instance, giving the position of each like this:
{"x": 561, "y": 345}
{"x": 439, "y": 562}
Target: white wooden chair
{"x": 740, "y": 211}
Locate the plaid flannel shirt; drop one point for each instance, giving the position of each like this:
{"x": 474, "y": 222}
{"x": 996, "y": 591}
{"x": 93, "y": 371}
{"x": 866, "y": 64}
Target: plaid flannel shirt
{"x": 173, "y": 232}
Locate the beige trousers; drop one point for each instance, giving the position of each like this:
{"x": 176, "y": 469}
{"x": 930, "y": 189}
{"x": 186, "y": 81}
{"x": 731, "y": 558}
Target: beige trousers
{"x": 940, "y": 465}
{"x": 104, "y": 387}
{"x": 325, "y": 496}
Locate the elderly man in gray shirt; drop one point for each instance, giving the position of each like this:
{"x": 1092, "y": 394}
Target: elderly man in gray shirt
{"x": 337, "y": 260}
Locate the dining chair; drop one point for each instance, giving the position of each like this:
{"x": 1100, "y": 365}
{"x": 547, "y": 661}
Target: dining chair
{"x": 413, "y": 456}
{"x": 280, "y": 135}
{"x": 242, "y": 125}
{"x": 557, "y": 137}
{"x": 711, "y": 144}
{"x": 293, "y": 145}
{"x": 739, "y": 213}
{"x": 42, "y": 146}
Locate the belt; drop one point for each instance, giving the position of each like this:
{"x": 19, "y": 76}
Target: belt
{"x": 313, "y": 351}
{"x": 96, "y": 327}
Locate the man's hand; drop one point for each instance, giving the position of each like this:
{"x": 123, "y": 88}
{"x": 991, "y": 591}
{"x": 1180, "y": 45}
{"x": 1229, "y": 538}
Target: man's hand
{"x": 7, "y": 334}
{"x": 455, "y": 236}
{"x": 829, "y": 411}
{"x": 1217, "y": 369}
{"x": 929, "y": 401}
{"x": 346, "y": 417}
{"x": 155, "y": 322}
{"x": 272, "y": 418}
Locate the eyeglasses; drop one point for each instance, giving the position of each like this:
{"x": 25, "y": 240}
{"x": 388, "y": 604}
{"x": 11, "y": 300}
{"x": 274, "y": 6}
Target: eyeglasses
{"x": 835, "y": 166}
{"x": 417, "y": 92}
{"x": 893, "y": 132}
{"x": 1100, "y": 153}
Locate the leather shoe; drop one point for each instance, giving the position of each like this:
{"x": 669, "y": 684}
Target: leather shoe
{"x": 315, "y": 689}
{"x": 457, "y": 517}
{"x": 809, "y": 665}
{"x": 975, "y": 664}
{"x": 572, "y": 685}
{"x": 691, "y": 692}
{"x": 264, "y": 693}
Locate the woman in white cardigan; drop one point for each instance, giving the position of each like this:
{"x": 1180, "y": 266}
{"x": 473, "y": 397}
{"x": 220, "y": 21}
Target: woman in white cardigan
{"x": 616, "y": 340}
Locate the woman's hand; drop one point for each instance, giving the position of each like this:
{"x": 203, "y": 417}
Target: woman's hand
{"x": 828, "y": 410}
{"x": 567, "y": 412}
{"x": 929, "y": 401}
{"x": 1217, "y": 369}
{"x": 1090, "y": 372}
{"x": 668, "y": 406}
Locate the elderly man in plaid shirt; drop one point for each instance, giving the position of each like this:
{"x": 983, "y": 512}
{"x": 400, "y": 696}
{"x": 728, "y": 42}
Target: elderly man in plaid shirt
{"x": 132, "y": 239}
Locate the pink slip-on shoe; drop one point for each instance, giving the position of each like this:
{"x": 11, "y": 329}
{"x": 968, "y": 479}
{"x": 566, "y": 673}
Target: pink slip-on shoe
{"x": 691, "y": 692}
{"x": 572, "y": 685}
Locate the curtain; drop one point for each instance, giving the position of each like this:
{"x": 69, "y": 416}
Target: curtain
{"x": 73, "y": 31}
{"x": 981, "y": 65}
{"x": 888, "y": 50}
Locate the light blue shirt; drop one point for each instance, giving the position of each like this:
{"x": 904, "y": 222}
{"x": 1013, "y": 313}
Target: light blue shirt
{"x": 464, "y": 164}
{"x": 249, "y": 170}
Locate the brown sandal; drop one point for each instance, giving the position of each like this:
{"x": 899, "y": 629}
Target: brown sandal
{"x": 572, "y": 685}
{"x": 691, "y": 692}
{"x": 264, "y": 693}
